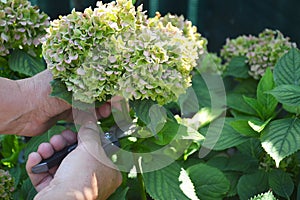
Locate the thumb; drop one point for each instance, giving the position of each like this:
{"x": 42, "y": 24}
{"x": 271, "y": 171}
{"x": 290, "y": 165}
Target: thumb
{"x": 89, "y": 134}
{"x": 89, "y": 140}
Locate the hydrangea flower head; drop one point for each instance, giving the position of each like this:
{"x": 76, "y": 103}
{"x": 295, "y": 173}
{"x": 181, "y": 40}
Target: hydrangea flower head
{"x": 21, "y": 26}
{"x": 116, "y": 50}
{"x": 6, "y": 185}
{"x": 261, "y": 52}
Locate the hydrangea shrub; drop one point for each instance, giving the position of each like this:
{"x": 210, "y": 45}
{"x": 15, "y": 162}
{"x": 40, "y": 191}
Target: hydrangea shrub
{"x": 261, "y": 52}
{"x": 116, "y": 49}
{"x": 21, "y": 26}
{"x": 6, "y": 185}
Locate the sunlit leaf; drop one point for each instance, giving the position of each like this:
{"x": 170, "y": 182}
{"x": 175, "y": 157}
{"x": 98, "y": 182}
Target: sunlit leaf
{"x": 164, "y": 184}
{"x": 281, "y": 138}
{"x": 210, "y": 183}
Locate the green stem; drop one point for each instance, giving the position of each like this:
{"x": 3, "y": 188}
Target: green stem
{"x": 142, "y": 186}
{"x": 140, "y": 178}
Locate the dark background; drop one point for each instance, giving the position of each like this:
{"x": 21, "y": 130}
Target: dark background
{"x": 216, "y": 19}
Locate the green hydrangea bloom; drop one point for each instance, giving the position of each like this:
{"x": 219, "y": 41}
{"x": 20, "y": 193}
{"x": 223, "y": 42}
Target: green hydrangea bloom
{"x": 6, "y": 185}
{"x": 264, "y": 196}
{"x": 185, "y": 26}
{"x": 261, "y": 52}
{"x": 116, "y": 50}
{"x": 21, "y": 26}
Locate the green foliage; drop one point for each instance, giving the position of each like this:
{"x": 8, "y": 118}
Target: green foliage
{"x": 20, "y": 61}
{"x": 209, "y": 182}
{"x": 164, "y": 183}
{"x": 253, "y": 147}
{"x": 237, "y": 68}
{"x": 287, "y": 94}
{"x": 281, "y": 183}
{"x": 11, "y": 146}
{"x": 280, "y": 139}
{"x": 287, "y": 69}
{"x": 251, "y": 184}
{"x": 228, "y": 137}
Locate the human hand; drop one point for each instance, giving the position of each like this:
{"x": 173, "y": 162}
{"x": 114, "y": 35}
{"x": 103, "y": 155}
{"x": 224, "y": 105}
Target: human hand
{"x": 86, "y": 173}
{"x": 28, "y": 110}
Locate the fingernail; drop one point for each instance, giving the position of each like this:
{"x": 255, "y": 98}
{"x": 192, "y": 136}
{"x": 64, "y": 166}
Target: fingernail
{"x": 91, "y": 125}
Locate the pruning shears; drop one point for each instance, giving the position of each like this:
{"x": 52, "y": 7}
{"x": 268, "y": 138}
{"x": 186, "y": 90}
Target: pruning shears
{"x": 110, "y": 144}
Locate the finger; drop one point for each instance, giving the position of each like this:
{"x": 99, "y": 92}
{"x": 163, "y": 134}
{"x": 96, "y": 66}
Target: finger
{"x": 103, "y": 111}
{"x": 81, "y": 117}
{"x": 58, "y": 142}
{"x": 45, "y": 150}
{"x": 70, "y": 136}
{"x": 39, "y": 181}
{"x": 116, "y": 102}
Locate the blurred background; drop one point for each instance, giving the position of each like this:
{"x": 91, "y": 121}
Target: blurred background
{"x": 215, "y": 19}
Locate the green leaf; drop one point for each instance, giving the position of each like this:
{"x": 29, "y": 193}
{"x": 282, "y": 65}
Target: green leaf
{"x": 252, "y": 148}
{"x": 203, "y": 117}
{"x": 141, "y": 108}
{"x": 164, "y": 183}
{"x": 60, "y": 90}
{"x": 287, "y": 94}
{"x": 219, "y": 162}
{"x": 281, "y": 183}
{"x": 119, "y": 194}
{"x": 266, "y": 101}
{"x": 27, "y": 190}
{"x": 133, "y": 1}
{"x": 209, "y": 182}
{"x": 298, "y": 191}
{"x": 236, "y": 102}
{"x": 226, "y": 139}
{"x": 237, "y": 163}
{"x": 166, "y": 134}
{"x": 158, "y": 118}
{"x": 233, "y": 178}
{"x": 10, "y": 149}
{"x": 258, "y": 125}
{"x": 237, "y": 67}
{"x": 235, "y": 97}
{"x": 292, "y": 109}
{"x": 287, "y": 69}
{"x": 200, "y": 88}
{"x": 252, "y": 184}
{"x": 188, "y": 103}
{"x": 243, "y": 128}
{"x": 20, "y": 61}
{"x": 187, "y": 186}
{"x": 253, "y": 103}
{"x": 242, "y": 163}
{"x": 281, "y": 138}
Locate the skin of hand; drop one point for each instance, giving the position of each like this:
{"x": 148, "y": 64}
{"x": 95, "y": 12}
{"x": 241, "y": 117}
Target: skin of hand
{"x": 86, "y": 173}
{"x": 27, "y": 109}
